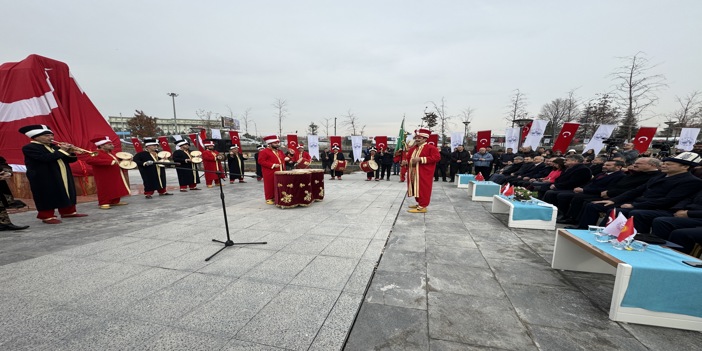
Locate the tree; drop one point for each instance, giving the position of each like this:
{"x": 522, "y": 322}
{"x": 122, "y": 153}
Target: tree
{"x": 688, "y": 114}
{"x": 351, "y": 122}
{"x": 430, "y": 119}
{"x": 246, "y": 118}
{"x": 142, "y": 125}
{"x": 556, "y": 112}
{"x": 466, "y": 117}
{"x": 442, "y": 118}
{"x": 598, "y": 111}
{"x": 312, "y": 129}
{"x": 209, "y": 119}
{"x": 281, "y": 110}
{"x": 517, "y": 107}
{"x": 326, "y": 123}
{"x": 636, "y": 88}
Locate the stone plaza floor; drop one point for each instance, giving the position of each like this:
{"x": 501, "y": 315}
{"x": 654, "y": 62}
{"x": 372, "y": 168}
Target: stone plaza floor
{"x": 353, "y": 272}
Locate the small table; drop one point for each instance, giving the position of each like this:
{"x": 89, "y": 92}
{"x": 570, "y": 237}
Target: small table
{"x": 540, "y": 215}
{"x": 577, "y": 250}
{"x": 464, "y": 179}
{"x": 483, "y": 190}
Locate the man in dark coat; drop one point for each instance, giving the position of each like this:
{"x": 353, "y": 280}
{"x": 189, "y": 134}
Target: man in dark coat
{"x": 188, "y": 176}
{"x": 575, "y": 175}
{"x": 153, "y": 175}
{"x": 259, "y": 172}
{"x": 440, "y": 170}
{"x": 6, "y": 198}
{"x": 460, "y": 160}
{"x": 235, "y": 162}
{"x": 49, "y": 174}
{"x": 611, "y": 173}
{"x": 660, "y": 193}
{"x": 384, "y": 160}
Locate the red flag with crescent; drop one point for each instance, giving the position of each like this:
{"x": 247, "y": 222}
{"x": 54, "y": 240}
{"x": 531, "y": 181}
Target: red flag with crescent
{"x": 479, "y": 177}
{"x": 433, "y": 139}
{"x": 195, "y": 141}
{"x": 525, "y": 130}
{"x": 163, "y": 141}
{"x": 137, "y": 145}
{"x": 203, "y": 136}
{"x": 335, "y": 141}
{"x": 234, "y": 137}
{"x": 565, "y": 137}
{"x": 293, "y": 143}
{"x": 381, "y": 142}
{"x": 483, "y": 139}
{"x": 643, "y": 138}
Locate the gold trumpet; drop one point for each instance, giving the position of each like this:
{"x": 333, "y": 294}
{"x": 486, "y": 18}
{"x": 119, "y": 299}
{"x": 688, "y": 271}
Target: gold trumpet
{"x": 75, "y": 148}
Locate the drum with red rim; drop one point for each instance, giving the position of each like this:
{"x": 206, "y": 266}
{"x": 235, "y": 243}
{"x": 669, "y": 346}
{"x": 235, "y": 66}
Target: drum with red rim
{"x": 369, "y": 166}
{"x": 339, "y": 165}
{"x": 317, "y": 180}
{"x": 293, "y": 188}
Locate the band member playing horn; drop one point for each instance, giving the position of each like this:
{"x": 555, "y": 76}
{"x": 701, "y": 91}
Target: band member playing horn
{"x": 152, "y": 174}
{"x": 259, "y": 172}
{"x": 303, "y": 157}
{"x": 422, "y": 162}
{"x": 188, "y": 176}
{"x": 336, "y": 156}
{"x": 110, "y": 181}
{"x": 212, "y": 161}
{"x": 49, "y": 174}
{"x": 235, "y": 161}
{"x": 271, "y": 160}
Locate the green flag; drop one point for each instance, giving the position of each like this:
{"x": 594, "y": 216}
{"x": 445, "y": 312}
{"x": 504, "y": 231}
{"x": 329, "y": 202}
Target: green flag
{"x": 401, "y": 136}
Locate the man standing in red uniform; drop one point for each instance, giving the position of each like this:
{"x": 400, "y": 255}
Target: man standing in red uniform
{"x": 271, "y": 160}
{"x": 420, "y": 170}
{"x": 303, "y": 157}
{"x": 109, "y": 177}
{"x": 212, "y": 161}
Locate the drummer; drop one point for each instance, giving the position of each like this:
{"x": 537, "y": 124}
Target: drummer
{"x": 110, "y": 181}
{"x": 303, "y": 157}
{"x": 188, "y": 176}
{"x": 371, "y": 156}
{"x": 336, "y": 156}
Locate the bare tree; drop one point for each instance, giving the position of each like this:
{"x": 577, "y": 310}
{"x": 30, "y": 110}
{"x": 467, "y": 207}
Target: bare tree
{"x": 326, "y": 124}
{"x": 351, "y": 122}
{"x": 442, "y": 118}
{"x": 466, "y": 117}
{"x": 688, "y": 113}
{"x": 312, "y": 129}
{"x": 517, "y": 107}
{"x": 362, "y": 130}
{"x": 209, "y": 119}
{"x": 636, "y": 88}
{"x": 556, "y": 113}
{"x": 281, "y": 108}
{"x": 572, "y": 106}
{"x": 246, "y": 118}
{"x": 598, "y": 111}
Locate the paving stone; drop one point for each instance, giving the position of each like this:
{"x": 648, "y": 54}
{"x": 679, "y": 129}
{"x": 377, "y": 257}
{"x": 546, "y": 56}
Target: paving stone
{"x": 178, "y": 339}
{"x": 403, "y": 329}
{"x": 465, "y": 280}
{"x": 281, "y": 267}
{"x": 400, "y": 289}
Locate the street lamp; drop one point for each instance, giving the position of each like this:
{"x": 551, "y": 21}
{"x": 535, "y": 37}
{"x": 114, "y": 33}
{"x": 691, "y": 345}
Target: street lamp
{"x": 334, "y": 125}
{"x": 175, "y": 122}
{"x": 465, "y": 134}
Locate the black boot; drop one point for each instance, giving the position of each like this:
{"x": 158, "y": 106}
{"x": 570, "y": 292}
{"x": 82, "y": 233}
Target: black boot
{"x": 11, "y": 226}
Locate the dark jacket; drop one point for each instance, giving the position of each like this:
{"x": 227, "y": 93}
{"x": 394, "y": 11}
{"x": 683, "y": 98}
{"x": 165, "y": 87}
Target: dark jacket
{"x": 660, "y": 192}
{"x": 628, "y": 182}
{"x": 526, "y": 167}
{"x": 538, "y": 171}
{"x": 445, "y": 153}
{"x": 512, "y": 168}
{"x": 573, "y": 177}
{"x": 46, "y": 176}
{"x": 693, "y": 205}
{"x": 464, "y": 156}
{"x": 600, "y": 182}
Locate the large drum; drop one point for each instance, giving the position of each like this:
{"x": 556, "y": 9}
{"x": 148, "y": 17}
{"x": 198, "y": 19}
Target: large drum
{"x": 293, "y": 188}
{"x": 305, "y": 164}
{"x": 339, "y": 165}
{"x": 369, "y": 166}
{"x": 317, "y": 179}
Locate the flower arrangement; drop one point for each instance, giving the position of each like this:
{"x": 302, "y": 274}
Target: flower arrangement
{"x": 522, "y": 194}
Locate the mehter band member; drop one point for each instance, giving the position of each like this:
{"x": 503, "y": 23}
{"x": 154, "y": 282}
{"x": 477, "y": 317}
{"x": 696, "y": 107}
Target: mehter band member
{"x": 49, "y": 174}
{"x": 235, "y": 161}
{"x": 110, "y": 181}
{"x": 271, "y": 159}
{"x": 212, "y": 161}
{"x": 420, "y": 172}
{"x": 188, "y": 176}
{"x": 153, "y": 175}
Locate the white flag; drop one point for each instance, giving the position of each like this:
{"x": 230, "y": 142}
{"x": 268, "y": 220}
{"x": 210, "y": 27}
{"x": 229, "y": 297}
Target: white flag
{"x": 512, "y": 136}
{"x": 688, "y": 137}
{"x": 603, "y": 132}
{"x": 615, "y": 227}
{"x": 313, "y": 145}
{"x": 456, "y": 139}
{"x": 177, "y": 137}
{"x": 357, "y": 144}
{"x": 536, "y": 132}
{"x": 216, "y": 134}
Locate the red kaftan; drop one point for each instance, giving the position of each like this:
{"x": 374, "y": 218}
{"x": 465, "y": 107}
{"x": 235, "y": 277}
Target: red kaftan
{"x": 271, "y": 161}
{"x": 421, "y": 175}
{"x": 212, "y": 165}
{"x": 109, "y": 178}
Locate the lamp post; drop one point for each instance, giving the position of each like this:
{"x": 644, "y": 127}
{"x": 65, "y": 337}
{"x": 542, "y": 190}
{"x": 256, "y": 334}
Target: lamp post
{"x": 334, "y": 125}
{"x": 465, "y": 133}
{"x": 175, "y": 121}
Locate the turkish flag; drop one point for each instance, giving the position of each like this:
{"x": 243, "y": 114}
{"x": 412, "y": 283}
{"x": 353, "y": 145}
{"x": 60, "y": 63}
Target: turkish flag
{"x": 479, "y": 177}
{"x": 137, "y": 145}
{"x": 504, "y": 188}
{"x": 627, "y": 231}
{"x": 196, "y": 142}
{"x": 234, "y": 137}
{"x": 612, "y": 216}
{"x": 509, "y": 191}
{"x": 433, "y": 139}
{"x": 526, "y": 130}
{"x": 335, "y": 141}
{"x": 565, "y": 137}
{"x": 483, "y": 139}
{"x": 163, "y": 141}
{"x": 203, "y": 136}
{"x": 292, "y": 142}
{"x": 381, "y": 142}
{"x": 643, "y": 138}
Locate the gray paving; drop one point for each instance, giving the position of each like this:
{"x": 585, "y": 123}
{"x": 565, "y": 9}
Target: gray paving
{"x": 354, "y": 272}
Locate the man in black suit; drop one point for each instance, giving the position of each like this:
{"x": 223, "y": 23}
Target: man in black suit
{"x": 575, "y": 175}
{"x": 611, "y": 173}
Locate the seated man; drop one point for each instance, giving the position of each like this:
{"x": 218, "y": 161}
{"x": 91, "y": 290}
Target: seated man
{"x": 576, "y": 174}
{"x": 659, "y": 193}
{"x": 688, "y": 210}
{"x": 611, "y": 173}
{"x": 686, "y": 237}
{"x": 500, "y": 177}
{"x": 527, "y": 165}
{"x": 541, "y": 168}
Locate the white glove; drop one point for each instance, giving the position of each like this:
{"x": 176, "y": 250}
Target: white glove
{"x": 287, "y": 159}
{"x": 148, "y": 163}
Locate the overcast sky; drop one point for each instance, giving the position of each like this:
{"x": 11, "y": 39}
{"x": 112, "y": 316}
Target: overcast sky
{"x": 378, "y": 59}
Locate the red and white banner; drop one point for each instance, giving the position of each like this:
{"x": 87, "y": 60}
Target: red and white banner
{"x": 292, "y": 143}
{"x": 335, "y": 141}
{"x": 196, "y": 142}
{"x": 203, "y": 137}
{"x": 565, "y": 137}
{"x": 536, "y": 133}
{"x": 234, "y": 138}
{"x": 137, "y": 145}
{"x": 39, "y": 90}
{"x": 163, "y": 141}
{"x": 643, "y": 138}
{"x": 526, "y": 129}
{"x": 433, "y": 139}
{"x": 483, "y": 139}
{"x": 381, "y": 142}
